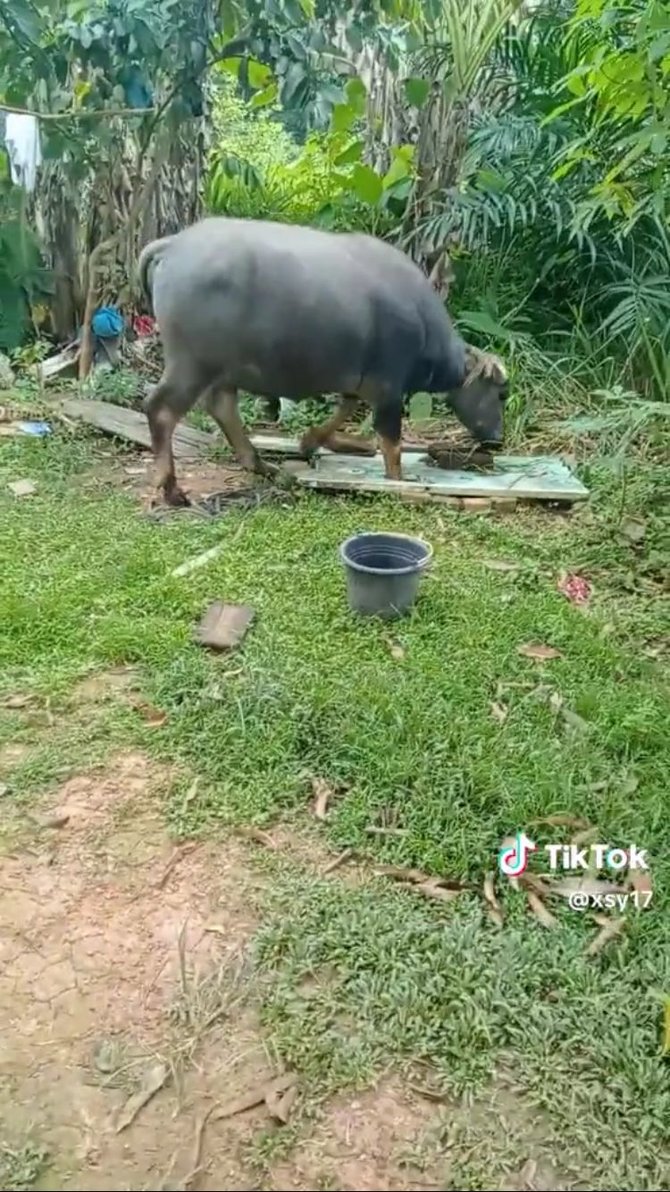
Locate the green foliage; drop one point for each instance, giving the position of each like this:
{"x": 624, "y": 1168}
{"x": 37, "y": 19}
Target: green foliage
{"x": 621, "y": 87}
{"x": 23, "y": 278}
{"x": 258, "y": 170}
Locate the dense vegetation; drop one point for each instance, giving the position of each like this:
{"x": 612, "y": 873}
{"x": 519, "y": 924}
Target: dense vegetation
{"x": 527, "y": 142}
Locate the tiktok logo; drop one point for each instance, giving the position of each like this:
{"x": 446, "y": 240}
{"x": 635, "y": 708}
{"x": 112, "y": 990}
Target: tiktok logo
{"x": 513, "y": 858}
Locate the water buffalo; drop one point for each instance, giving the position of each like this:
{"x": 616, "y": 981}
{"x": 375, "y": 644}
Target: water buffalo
{"x": 295, "y": 312}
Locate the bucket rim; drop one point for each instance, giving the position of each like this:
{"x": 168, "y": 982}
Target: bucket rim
{"x": 410, "y": 569}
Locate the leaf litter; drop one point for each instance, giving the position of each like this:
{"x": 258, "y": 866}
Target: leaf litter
{"x": 562, "y": 821}
{"x": 499, "y": 712}
{"x": 268, "y": 1094}
{"x": 395, "y": 649}
{"x": 538, "y": 651}
{"x": 501, "y": 565}
{"x": 153, "y": 717}
{"x": 154, "y": 1078}
{"x": 430, "y": 886}
{"x": 541, "y": 912}
{"x": 493, "y": 907}
{"x": 609, "y": 928}
{"x": 323, "y": 792}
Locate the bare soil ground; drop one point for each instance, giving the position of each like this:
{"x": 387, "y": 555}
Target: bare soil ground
{"x": 122, "y": 964}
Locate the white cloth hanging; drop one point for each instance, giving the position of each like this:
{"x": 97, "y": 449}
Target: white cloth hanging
{"x": 22, "y": 138}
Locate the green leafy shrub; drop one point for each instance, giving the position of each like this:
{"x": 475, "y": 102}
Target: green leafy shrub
{"x": 23, "y": 278}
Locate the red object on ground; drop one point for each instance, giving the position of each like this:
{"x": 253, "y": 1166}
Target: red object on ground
{"x": 575, "y": 588}
{"x": 144, "y": 325}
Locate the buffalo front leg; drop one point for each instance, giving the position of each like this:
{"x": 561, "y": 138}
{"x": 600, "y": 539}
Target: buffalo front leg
{"x": 164, "y": 407}
{"x": 387, "y": 422}
{"x": 222, "y": 405}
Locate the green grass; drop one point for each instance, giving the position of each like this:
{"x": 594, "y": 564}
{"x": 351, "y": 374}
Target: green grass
{"x": 86, "y": 584}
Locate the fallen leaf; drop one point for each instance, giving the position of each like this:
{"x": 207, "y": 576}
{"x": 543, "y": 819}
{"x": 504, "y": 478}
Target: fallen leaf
{"x": 258, "y": 836}
{"x": 527, "y": 1175}
{"x": 431, "y": 886}
{"x": 386, "y": 830}
{"x": 153, "y": 717}
{"x": 340, "y": 859}
{"x": 4, "y": 789}
{"x": 493, "y": 907}
{"x": 607, "y": 932}
{"x": 398, "y": 873}
{"x": 56, "y": 820}
{"x": 190, "y": 795}
{"x": 630, "y": 785}
{"x": 395, "y": 649}
{"x": 421, "y": 1090}
{"x": 634, "y": 529}
{"x": 181, "y": 850}
{"x": 280, "y": 1104}
{"x": 575, "y": 588}
{"x": 257, "y": 1096}
{"x": 666, "y": 1027}
{"x": 540, "y": 911}
{"x": 565, "y": 887}
{"x": 555, "y": 702}
{"x": 501, "y": 565}
{"x": 323, "y": 793}
{"x": 562, "y": 821}
{"x": 499, "y": 712}
{"x": 574, "y": 720}
{"x": 154, "y": 1079}
{"x": 17, "y": 701}
{"x": 640, "y": 880}
{"x": 540, "y": 883}
{"x": 585, "y": 837}
{"x": 22, "y": 488}
{"x": 435, "y": 889}
{"x": 539, "y": 651}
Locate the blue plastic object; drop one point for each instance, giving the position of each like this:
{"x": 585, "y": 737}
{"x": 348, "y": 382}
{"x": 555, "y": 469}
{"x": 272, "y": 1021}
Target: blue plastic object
{"x": 107, "y": 322}
{"x": 35, "y": 428}
{"x": 383, "y": 572}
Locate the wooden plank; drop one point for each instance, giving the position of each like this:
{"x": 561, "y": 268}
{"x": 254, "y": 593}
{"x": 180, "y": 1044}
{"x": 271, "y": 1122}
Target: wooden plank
{"x": 224, "y": 625}
{"x": 188, "y": 442}
{"x": 543, "y": 478}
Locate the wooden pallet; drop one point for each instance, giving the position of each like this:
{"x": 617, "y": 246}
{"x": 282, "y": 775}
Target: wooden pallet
{"x": 515, "y": 477}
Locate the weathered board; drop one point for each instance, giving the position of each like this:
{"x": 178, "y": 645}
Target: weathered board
{"x": 537, "y": 478}
{"x": 188, "y": 443}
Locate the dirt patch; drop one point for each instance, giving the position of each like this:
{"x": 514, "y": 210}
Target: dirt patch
{"x": 363, "y": 1143}
{"x": 199, "y": 479}
{"x": 113, "y": 936}
{"x": 13, "y": 754}
{"x": 103, "y": 685}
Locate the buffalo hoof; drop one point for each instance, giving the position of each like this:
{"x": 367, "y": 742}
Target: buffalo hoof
{"x": 175, "y": 497}
{"x": 309, "y": 445}
{"x": 261, "y": 467}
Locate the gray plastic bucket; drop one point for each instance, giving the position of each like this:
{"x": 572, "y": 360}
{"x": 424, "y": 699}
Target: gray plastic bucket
{"x": 383, "y": 572}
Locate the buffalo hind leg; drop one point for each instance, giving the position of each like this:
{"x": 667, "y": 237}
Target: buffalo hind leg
{"x": 164, "y": 407}
{"x": 387, "y": 422}
{"x": 327, "y": 433}
{"x": 222, "y": 405}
